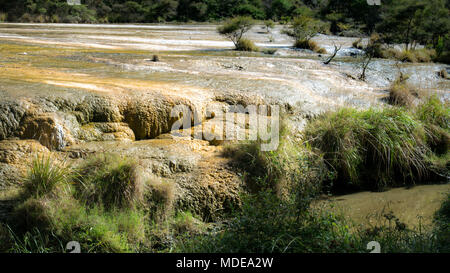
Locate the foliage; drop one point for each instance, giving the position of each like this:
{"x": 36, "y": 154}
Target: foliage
{"x": 235, "y": 28}
{"x": 303, "y": 28}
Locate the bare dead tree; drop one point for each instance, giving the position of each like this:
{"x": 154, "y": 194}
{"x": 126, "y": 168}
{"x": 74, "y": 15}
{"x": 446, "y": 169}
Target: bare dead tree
{"x": 336, "y": 50}
{"x": 366, "y": 61}
{"x": 374, "y": 44}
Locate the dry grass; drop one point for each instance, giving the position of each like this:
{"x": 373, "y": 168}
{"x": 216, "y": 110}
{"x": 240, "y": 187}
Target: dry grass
{"x": 159, "y": 199}
{"x": 309, "y": 44}
{"x": 246, "y": 45}
{"x": 413, "y": 56}
{"x": 402, "y": 94}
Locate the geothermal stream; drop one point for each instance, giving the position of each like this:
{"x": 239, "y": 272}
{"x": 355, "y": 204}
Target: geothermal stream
{"x": 76, "y": 90}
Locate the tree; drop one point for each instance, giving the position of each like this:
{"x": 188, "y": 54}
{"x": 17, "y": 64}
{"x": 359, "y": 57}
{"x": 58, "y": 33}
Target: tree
{"x": 336, "y": 50}
{"x": 374, "y": 45}
{"x": 304, "y": 28}
{"x": 235, "y": 28}
{"x": 401, "y": 21}
{"x": 269, "y": 24}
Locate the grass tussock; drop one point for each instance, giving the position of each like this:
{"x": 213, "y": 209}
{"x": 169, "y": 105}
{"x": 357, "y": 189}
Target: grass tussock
{"x": 309, "y": 44}
{"x": 402, "y": 94}
{"x": 44, "y": 176}
{"x": 433, "y": 111}
{"x": 246, "y": 45}
{"x": 443, "y": 73}
{"x": 111, "y": 180}
{"x": 371, "y": 149}
{"x": 435, "y": 116}
{"x": 358, "y": 44}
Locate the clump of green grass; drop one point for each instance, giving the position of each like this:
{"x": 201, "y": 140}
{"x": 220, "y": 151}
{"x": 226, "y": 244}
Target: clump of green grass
{"x": 292, "y": 168}
{"x": 433, "y": 111}
{"x": 111, "y": 181}
{"x": 245, "y": 44}
{"x": 435, "y": 115}
{"x": 44, "y": 176}
{"x": 371, "y": 149}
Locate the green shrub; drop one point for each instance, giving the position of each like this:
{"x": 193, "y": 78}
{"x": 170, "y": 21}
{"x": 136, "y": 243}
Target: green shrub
{"x": 371, "y": 149}
{"x": 444, "y": 57}
{"x": 111, "y": 181}
{"x": 303, "y": 28}
{"x": 45, "y": 175}
{"x": 269, "y": 225}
